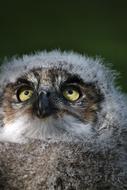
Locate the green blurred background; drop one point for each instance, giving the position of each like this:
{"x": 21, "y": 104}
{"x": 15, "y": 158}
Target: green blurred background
{"x": 93, "y": 27}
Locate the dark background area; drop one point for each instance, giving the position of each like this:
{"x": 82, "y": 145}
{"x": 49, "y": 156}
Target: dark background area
{"x": 93, "y": 27}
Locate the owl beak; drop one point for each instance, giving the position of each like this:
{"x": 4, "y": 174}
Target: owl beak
{"x": 43, "y": 107}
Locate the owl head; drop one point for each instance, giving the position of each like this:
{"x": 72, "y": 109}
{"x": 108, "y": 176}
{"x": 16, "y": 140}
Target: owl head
{"x": 59, "y": 95}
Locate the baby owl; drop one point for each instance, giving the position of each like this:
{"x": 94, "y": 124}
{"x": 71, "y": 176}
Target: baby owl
{"x": 66, "y": 109}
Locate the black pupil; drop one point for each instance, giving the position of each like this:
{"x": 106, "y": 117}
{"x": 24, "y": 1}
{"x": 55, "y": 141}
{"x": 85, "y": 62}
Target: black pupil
{"x": 26, "y": 92}
{"x": 70, "y": 91}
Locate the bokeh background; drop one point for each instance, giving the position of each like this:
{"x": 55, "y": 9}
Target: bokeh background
{"x": 93, "y": 27}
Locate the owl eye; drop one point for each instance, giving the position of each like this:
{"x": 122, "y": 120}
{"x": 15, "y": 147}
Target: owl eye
{"x": 71, "y": 94}
{"x": 24, "y": 94}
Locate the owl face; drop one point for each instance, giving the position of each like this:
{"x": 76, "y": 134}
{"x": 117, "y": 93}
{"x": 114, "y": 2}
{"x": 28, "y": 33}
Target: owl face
{"x": 46, "y": 103}
{"x": 59, "y": 96}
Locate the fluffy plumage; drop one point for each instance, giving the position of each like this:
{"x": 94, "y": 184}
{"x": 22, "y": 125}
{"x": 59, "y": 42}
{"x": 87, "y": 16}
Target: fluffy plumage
{"x": 113, "y": 107}
{"x": 61, "y": 166}
{"x": 97, "y": 122}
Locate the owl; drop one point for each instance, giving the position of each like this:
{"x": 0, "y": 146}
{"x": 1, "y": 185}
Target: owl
{"x": 63, "y": 124}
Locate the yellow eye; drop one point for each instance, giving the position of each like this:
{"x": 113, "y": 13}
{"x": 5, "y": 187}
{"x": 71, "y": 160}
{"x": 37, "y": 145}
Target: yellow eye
{"x": 25, "y": 94}
{"x": 71, "y": 94}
